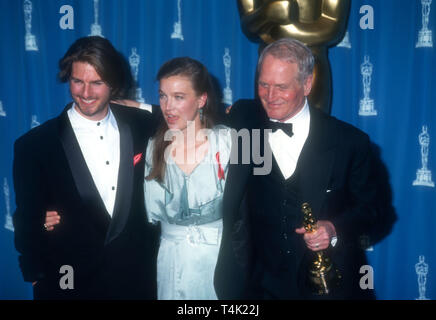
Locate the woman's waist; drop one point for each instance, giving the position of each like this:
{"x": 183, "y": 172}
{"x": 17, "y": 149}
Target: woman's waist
{"x": 208, "y": 233}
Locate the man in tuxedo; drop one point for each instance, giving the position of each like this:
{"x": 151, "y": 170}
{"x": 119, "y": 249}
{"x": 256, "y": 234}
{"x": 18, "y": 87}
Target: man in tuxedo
{"x": 316, "y": 159}
{"x": 87, "y": 164}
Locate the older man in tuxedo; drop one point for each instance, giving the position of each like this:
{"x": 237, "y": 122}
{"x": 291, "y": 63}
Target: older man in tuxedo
{"x": 87, "y": 164}
{"x": 316, "y": 159}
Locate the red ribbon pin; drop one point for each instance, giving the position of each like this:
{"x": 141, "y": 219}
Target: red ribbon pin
{"x": 220, "y": 168}
{"x": 137, "y": 158}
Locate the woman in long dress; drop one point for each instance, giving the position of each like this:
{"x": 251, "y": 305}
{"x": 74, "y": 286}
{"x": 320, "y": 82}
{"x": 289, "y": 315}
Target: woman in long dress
{"x": 185, "y": 175}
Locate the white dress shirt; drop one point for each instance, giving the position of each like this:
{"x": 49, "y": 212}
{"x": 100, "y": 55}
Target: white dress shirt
{"x": 100, "y": 145}
{"x": 286, "y": 150}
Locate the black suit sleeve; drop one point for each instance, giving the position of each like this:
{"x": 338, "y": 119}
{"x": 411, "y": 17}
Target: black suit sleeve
{"x": 143, "y": 123}
{"x": 245, "y": 113}
{"x": 29, "y": 216}
{"x": 363, "y": 209}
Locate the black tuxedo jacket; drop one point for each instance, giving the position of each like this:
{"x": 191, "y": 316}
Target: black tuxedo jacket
{"x": 337, "y": 178}
{"x": 111, "y": 257}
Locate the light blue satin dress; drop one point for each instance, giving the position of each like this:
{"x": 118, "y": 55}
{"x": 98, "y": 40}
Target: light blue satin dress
{"x": 189, "y": 208}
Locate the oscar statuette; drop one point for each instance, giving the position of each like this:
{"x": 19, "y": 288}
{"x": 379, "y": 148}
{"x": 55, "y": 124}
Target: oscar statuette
{"x": 321, "y": 276}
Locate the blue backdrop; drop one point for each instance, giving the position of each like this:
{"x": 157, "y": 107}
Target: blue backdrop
{"x": 383, "y": 83}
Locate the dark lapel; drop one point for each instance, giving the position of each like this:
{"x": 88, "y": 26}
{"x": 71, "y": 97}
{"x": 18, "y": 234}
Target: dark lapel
{"x": 123, "y": 200}
{"x": 265, "y": 147}
{"x": 235, "y": 188}
{"x": 81, "y": 174}
{"x": 316, "y": 160}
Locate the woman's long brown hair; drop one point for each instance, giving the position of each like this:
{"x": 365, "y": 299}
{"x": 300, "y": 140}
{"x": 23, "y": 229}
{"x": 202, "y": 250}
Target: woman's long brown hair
{"x": 201, "y": 83}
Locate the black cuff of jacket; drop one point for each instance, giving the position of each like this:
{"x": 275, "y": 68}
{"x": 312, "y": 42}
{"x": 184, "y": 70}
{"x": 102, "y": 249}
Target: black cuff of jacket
{"x": 32, "y": 271}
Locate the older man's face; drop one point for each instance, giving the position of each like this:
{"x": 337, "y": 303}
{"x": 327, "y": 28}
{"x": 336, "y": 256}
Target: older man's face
{"x": 281, "y": 93}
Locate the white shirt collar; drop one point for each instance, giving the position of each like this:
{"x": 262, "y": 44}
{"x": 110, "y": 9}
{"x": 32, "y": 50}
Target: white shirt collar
{"x": 300, "y": 116}
{"x": 286, "y": 150}
{"x": 82, "y": 122}
{"x": 300, "y": 122}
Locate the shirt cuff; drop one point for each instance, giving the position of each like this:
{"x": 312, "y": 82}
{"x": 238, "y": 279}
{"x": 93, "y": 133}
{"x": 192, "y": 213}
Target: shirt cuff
{"x": 333, "y": 241}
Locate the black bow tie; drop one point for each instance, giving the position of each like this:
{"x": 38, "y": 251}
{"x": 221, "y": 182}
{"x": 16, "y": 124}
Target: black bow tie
{"x": 285, "y": 127}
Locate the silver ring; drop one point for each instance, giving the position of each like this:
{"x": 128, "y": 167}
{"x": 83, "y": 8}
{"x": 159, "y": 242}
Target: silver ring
{"x": 45, "y": 226}
{"x": 317, "y": 245}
